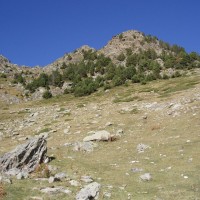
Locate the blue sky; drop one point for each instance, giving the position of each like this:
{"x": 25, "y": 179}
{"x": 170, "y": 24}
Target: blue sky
{"x": 37, "y": 32}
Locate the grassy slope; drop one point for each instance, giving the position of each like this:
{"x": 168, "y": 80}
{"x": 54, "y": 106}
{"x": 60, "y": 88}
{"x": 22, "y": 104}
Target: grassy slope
{"x": 174, "y": 141}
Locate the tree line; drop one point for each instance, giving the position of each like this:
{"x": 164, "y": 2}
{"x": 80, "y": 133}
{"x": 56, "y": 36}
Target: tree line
{"x": 96, "y": 71}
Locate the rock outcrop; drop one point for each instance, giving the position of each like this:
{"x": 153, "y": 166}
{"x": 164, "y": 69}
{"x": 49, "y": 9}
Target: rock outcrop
{"x": 25, "y": 157}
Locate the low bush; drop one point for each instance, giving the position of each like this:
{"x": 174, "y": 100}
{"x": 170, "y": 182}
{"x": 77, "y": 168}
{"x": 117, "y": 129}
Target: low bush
{"x": 47, "y": 95}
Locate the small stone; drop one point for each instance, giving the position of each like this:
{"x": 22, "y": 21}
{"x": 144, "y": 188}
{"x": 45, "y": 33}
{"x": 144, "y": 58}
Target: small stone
{"x": 46, "y": 160}
{"x": 55, "y": 190}
{"x": 109, "y": 124}
{"x": 142, "y": 147}
{"x": 190, "y": 159}
{"x": 120, "y": 132}
{"x": 144, "y": 117}
{"x": 61, "y": 175}
{"x": 53, "y": 179}
{"x": 36, "y": 198}
{"x": 135, "y": 170}
{"x": 87, "y": 179}
{"x": 90, "y": 191}
{"x": 74, "y": 183}
{"x": 52, "y": 168}
{"x": 5, "y": 179}
{"x": 106, "y": 194}
{"x": 122, "y": 187}
{"x": 66, "y": 131}
{"x": 84, "y": 146}
{"x": 19, "y": 176}
{"x": 146, "y": 177}
{"x": 134, "y": 161}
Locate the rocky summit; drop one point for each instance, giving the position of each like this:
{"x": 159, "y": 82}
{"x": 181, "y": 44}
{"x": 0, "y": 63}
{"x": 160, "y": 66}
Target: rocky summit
{"x": 121, "y": 122}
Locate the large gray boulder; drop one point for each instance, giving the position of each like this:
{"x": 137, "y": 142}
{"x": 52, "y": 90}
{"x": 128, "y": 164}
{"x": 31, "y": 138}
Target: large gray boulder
{"x": 90, "y": 191}
{"x": 25, "y": 157}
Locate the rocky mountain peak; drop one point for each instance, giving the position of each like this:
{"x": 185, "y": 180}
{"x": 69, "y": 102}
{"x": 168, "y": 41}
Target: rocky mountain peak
{"x": 85, "y": 48}
{"x": 132, "y": 39}
{"x": 72, "y": 57}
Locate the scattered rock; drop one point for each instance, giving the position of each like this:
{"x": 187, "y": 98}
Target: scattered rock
{"x": 87, "y": 179}
{"x": 22, "y": 175}
{"x": 52, "y": 168}
{"x": 144, "y": 117}
{"x": 109, "y": 124}
{"x": 5, "y": 179}
{"x": 61, "y": 175}
{"x": 74, "y": 183}
{"x": 142, "y": 147}
{"x": 135, "y": 170}
{"x": 90, "y": 191}
{"x": 53, "y": 179}
{"x": 68, "y": 144}
{"x": 25, "y": 157}
{"x": 55, "y": 190}
{"x": 36, "y": 198}
{"x": 98, "y": 136}
{"x": 13, "y": 172}
{"x": 146, "y": 177}
{"x": 106, "y": 194}
{"x": 122, "y": 187}
{"x": 66, "y": 131}
{"x": 120, "y": 132}
{"x": 84, "y": 146}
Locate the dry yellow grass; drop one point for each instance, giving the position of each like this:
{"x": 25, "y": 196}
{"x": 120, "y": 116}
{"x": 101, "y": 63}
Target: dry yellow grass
{"x": 2, "y": 191}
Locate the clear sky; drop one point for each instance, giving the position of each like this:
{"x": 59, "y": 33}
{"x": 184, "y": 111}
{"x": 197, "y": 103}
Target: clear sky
{"x": 37, "y": 32}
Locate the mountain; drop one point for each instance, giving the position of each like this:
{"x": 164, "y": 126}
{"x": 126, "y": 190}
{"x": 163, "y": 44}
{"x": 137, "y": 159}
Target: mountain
{"x": 130, "y": 40}
{"x": 130, "y": 56}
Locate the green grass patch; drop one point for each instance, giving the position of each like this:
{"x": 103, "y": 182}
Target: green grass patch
{"x": 81, "y": 105}
{"x": 44, "y": 130}
{"x": 182, "y": 84}
{"x": 126, "y": 99}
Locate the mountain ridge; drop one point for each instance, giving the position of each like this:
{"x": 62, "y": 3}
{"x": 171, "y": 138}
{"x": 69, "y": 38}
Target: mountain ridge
{"x": 129, "y": 57}
{"x": 113, "y": 47}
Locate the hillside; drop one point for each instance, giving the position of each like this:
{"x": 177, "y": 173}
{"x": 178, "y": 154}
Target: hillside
{"x": 121, "y": 122}
{"x": 157, "y": 132}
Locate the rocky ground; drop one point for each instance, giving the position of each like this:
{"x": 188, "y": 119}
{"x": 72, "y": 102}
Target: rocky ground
{"x": 135, "y": 142}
